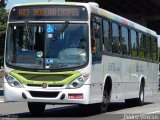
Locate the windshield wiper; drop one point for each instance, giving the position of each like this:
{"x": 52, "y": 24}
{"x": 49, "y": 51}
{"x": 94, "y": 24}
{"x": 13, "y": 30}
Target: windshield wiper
{"x": 63, "y": 27}
{"x": 28, "y": 29}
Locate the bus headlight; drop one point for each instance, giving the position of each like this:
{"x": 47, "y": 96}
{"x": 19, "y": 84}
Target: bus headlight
{"x": 13, "y": 82}
{"x": 78, "y": 82}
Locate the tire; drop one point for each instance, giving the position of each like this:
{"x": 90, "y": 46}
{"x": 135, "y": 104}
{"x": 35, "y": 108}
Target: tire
{"x": 36, "y": 108}
{"x": 98, "y": 107}
{"x": 102, "y": 107}
{"x": 137, "y": 101}
{"x": 140, "y": 100}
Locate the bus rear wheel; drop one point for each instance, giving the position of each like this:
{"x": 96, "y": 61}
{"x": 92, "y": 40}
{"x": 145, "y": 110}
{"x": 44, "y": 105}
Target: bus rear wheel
{"x": 137, "y": 101}
{"x": 140, "y": 100}
{"x": 36, "y": 108}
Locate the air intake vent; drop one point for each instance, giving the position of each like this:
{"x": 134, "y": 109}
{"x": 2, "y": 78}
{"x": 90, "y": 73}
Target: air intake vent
{"x": 44, "y": 94}
{"x": 40, "y": 85}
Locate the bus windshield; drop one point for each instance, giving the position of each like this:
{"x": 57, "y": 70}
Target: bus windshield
{"x": 47, "y": 46}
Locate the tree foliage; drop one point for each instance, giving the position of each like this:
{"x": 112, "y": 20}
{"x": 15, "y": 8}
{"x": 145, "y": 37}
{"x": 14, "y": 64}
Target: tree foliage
{"x": 3, "y": 24}
{"x": 3, "y": 3}
{"x": 3, "y": 21}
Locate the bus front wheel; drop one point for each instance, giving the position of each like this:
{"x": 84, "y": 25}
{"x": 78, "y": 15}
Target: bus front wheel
{"x": 102, "y": 107}
{"x": 36, "y": 108}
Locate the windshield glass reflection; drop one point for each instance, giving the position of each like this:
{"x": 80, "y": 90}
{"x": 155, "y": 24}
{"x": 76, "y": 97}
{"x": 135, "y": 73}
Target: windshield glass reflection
{"x": 47, "y": 46}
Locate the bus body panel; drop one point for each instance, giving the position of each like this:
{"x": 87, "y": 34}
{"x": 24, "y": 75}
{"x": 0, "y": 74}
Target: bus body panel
{"x": 96, "y": 83}
{"x": 112, "y": 66}
{"x": 15, "y": 95}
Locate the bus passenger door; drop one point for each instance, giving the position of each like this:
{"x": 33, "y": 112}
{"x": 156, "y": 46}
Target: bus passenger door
{"x": 97, "y": 68}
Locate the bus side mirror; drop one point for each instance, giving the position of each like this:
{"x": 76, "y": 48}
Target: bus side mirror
{"x": 93, "y": 45}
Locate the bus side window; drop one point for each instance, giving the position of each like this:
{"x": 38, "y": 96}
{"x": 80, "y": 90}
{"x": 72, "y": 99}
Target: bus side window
{"x": 134, "y": 46}
{"x": 106, "y": 36}
{"x": 96, "y": 41}
{"x": 115, "y": 38}
{"x": 125, "y": 41}
{"x": 148, "y": 48}
{"x": 154, "y": 50}
{"x": 141, "y": 46}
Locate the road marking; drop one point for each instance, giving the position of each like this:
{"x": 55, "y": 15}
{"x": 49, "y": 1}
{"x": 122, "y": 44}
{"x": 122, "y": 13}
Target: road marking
{"x": 1, "y": 100}
{"x": 153, "y": 112}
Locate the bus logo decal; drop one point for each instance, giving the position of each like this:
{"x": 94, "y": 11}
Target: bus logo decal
{"x": 44, "y": 85}
{"x": 49, "y": 61}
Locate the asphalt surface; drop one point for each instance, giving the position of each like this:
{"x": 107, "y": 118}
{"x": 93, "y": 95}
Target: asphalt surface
{"x": 117, "y": 111}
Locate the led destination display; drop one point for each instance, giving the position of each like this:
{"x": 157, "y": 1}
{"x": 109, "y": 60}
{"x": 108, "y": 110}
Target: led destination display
{"x": 49, "y": 13}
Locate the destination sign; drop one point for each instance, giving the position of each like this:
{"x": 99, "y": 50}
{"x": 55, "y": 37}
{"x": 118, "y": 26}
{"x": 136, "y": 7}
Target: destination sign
{"x": 49, "y": 13}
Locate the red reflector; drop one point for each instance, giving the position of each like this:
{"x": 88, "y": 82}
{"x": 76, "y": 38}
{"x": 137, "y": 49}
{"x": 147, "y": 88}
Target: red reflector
{"x": 125, "y": 22}
{"x": 75, "y": 96}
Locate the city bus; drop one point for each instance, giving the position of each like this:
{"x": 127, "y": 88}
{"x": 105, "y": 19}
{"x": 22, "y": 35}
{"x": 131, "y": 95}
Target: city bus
{"x": 77, "y": 53}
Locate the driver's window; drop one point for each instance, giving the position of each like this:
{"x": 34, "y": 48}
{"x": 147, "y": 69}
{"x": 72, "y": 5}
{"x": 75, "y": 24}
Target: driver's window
{"x": 19, "y": 38}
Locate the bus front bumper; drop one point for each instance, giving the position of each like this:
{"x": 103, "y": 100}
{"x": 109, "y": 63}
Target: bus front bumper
{"x": 66, "y": 96}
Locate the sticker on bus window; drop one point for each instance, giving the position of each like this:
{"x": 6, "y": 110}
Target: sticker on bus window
{"x": 50, "y": 28}
{"x": 50, "y": 35}
{"x": 49, "y": 61}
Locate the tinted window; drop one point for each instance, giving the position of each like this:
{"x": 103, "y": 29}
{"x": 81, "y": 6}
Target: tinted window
{"x": 115, "y": 38}
{"x": 37, "y": 48}
{"x": 125, "y": 43}
{"x": 106, "y": 38}
{"x": 133, "y": 44}
{"x": 141, "y": 46}
{"x": 154, "y": 49}
{"x": 148, "y": 48}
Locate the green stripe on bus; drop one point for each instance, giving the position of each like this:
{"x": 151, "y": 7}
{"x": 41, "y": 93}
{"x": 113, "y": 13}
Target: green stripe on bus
{"x": 65, "y": 81}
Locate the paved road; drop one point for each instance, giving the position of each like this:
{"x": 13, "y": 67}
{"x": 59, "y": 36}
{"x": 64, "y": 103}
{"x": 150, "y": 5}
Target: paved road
{"x": 117, "y": 111}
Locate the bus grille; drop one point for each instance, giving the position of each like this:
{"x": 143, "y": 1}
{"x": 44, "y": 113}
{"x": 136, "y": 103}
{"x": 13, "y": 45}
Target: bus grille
{"x": 44, "y": 94}
{"x": 39, "y": 85}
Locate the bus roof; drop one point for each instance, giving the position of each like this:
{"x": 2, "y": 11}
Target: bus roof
{"x": 49, "y": 3}
{"x": 94, "y": 8}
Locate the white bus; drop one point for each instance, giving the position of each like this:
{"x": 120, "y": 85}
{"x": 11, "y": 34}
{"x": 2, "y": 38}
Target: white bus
{"x": 77, "y": 53}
